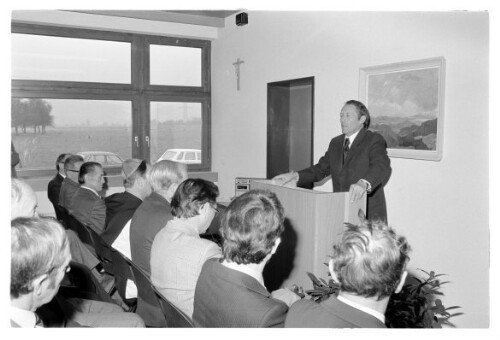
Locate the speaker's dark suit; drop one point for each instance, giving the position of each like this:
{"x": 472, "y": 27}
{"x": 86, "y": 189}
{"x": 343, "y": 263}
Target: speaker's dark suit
{"x": 120, "y": 208}
{"x": 331, "y": 313}
{"x": 228, "y": 298}
{"x": 367, "y": 159}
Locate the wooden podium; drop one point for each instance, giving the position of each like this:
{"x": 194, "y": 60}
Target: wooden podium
{"x": 313, "y": 223}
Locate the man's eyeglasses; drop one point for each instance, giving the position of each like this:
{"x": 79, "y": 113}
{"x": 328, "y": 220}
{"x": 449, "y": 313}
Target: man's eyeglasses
{"x": 73, "y": 170}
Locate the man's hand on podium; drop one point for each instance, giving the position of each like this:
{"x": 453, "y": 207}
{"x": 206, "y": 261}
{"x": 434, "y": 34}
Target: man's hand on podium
{"x": 288, "y": 179}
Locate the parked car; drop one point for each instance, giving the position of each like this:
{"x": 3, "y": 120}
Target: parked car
{"x": 186, "y": 156}
{"x": 105, "y": 158}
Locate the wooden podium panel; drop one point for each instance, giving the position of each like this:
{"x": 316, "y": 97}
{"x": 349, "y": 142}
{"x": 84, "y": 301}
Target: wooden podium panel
{"x": 313, "y": 223}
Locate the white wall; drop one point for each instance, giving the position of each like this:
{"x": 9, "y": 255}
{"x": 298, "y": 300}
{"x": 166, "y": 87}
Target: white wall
{"x": 441, "y": 207}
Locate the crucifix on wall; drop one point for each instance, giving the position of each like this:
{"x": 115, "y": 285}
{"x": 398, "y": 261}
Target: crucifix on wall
{"x": 237, "y": 70}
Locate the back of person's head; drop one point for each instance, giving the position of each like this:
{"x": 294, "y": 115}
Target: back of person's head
{"x": 370, "y": 259}
{"x": 23, "y": 199}
{"x": 38, "y": 246}
{"x": 87, "y": 169}
{"x": 61, "y": 159}
{"x": 191, "y": 195}
{"x": 71, "y": 162}
{"x": 362, "y": 111}
{"x": 132, "y": 169}
{"x": 250, "y": 226}
{"x": 165, "y": 173}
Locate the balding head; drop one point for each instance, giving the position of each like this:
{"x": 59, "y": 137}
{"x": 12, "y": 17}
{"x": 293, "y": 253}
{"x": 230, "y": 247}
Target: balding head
{"x": 23, "y": 200}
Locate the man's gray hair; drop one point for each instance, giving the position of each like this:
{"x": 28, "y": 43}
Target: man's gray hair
{"x": 165, "y": 173}
{"x": 38, "y": 246}
{"x": 16, "y": 193}
{"x": 370, "y": 259}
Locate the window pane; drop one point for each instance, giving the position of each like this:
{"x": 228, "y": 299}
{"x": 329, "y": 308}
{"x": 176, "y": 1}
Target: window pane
{"x": 37, "y": 57}
{"x": 44, "y": 128}
{"x": 173, "y": 65}
{"x": 175, "y": 127}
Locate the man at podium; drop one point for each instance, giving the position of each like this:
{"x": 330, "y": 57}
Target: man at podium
{"x": 356, "y": 160}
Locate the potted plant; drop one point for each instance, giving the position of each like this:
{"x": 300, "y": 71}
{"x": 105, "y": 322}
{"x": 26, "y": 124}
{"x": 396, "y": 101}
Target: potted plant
{"x": 414, "y": 307}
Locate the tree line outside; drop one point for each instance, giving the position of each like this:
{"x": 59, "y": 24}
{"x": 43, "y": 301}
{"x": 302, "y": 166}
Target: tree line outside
{"x": 31, "y": 113}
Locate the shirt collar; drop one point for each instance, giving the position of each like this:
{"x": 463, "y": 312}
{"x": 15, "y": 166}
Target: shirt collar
{"x": 246, "y": 270}
{"x": 362, "y": 308}
{"x": 95, "y": 192}
{"x": 352, "y": 137}
{"x": 182, "y": 226}
{"x": 24, "y": 318}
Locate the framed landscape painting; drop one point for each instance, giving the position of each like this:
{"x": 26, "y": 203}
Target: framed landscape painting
{"x": 406, "y": 104}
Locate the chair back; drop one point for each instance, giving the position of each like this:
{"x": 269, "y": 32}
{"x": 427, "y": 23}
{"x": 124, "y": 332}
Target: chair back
{"x": 102, "y": 250}
{"x": 122, "y": 268}
{"x": 82, "y": 231}
{"x": 173, "y": 315}
{"x": 148, "y": 306}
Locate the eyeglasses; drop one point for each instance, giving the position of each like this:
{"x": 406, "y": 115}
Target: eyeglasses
{"x": 73, "y": 170}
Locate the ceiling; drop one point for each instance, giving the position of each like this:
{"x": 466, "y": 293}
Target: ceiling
{"x": 215, "y": 18}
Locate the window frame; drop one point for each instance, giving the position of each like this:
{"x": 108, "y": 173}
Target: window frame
{"x": 139, "y": 92}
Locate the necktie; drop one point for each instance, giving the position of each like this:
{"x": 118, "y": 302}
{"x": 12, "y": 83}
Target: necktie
{"x": 346, "y": 149}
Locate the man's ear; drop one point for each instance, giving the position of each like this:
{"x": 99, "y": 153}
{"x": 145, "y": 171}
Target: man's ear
{"x": 276, "y": 244}
{"x": 332, "y": 272}
{"x": 39, "y": 283}
{"x": 171, "y": 190}
{"x": 401, "y": 282}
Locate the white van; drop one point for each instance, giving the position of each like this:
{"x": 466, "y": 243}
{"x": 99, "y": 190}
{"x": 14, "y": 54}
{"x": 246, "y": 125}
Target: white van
{"x": 186, "y": 156}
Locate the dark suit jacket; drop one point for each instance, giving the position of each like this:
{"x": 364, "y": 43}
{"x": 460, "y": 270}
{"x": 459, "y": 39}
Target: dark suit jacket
{"x": 68, "y": 190}
{"x": 331, "y": 313}
{"x": 120, "y": 208}
{"x": 89, "y": 209}
{"x": 54, "y": 188}
{"x": 228, "y": 298}
{"x": 151, "y": 216}
{"x": 367, "y": 159}
{"x": 53, "y": 191}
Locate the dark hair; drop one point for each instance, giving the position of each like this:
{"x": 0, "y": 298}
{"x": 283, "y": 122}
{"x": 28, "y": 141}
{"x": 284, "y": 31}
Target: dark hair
{"x": 87, "y": 168}
{"x": 369, "y": 259}
{"x": 362, "y": 111}
{"x": 250, "y": 226}
{"x": 71, "y": 161}
{"x": 191, "y": 195}
{"x": 60, "y": 159}
{"x": 139, "y": 172}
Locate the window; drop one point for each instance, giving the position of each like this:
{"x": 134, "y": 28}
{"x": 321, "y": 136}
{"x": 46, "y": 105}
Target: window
{"x": 173, "y": 65}
{"x": 38, "y": 57}
{"x": 108, "y": 95}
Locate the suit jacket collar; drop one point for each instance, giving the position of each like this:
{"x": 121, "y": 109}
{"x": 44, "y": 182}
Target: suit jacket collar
{"x": 354, "y": 148}
{"x": 351, "y": 314}
{"x": 239, "y": 278}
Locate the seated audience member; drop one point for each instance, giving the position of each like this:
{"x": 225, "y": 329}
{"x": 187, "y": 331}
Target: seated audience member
{"x": 369, "y": 263}
{"x": 39, "y": 259}
{"x": 54, "y": 186}
{"x": 70, "y": 184}
{"x": 231, "y": 292}
{"x": 120, "y": 207}
{"x": 87, "y": 206}
{"x": 154, "y": 213}
{"x": 24, "y": 203}
{"x": 85, "y": 312}
{"x": 151, "y": 216}
{"x": 178, "y": 252}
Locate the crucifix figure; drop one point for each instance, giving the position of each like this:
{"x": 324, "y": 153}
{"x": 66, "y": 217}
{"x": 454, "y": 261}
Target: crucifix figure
{"x": 237, "y": 70}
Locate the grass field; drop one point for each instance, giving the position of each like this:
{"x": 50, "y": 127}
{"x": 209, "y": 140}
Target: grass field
{"x": 41, "y": 151}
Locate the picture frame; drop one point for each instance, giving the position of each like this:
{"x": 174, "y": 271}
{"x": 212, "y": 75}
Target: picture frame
{"x": 406, "y": 105}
